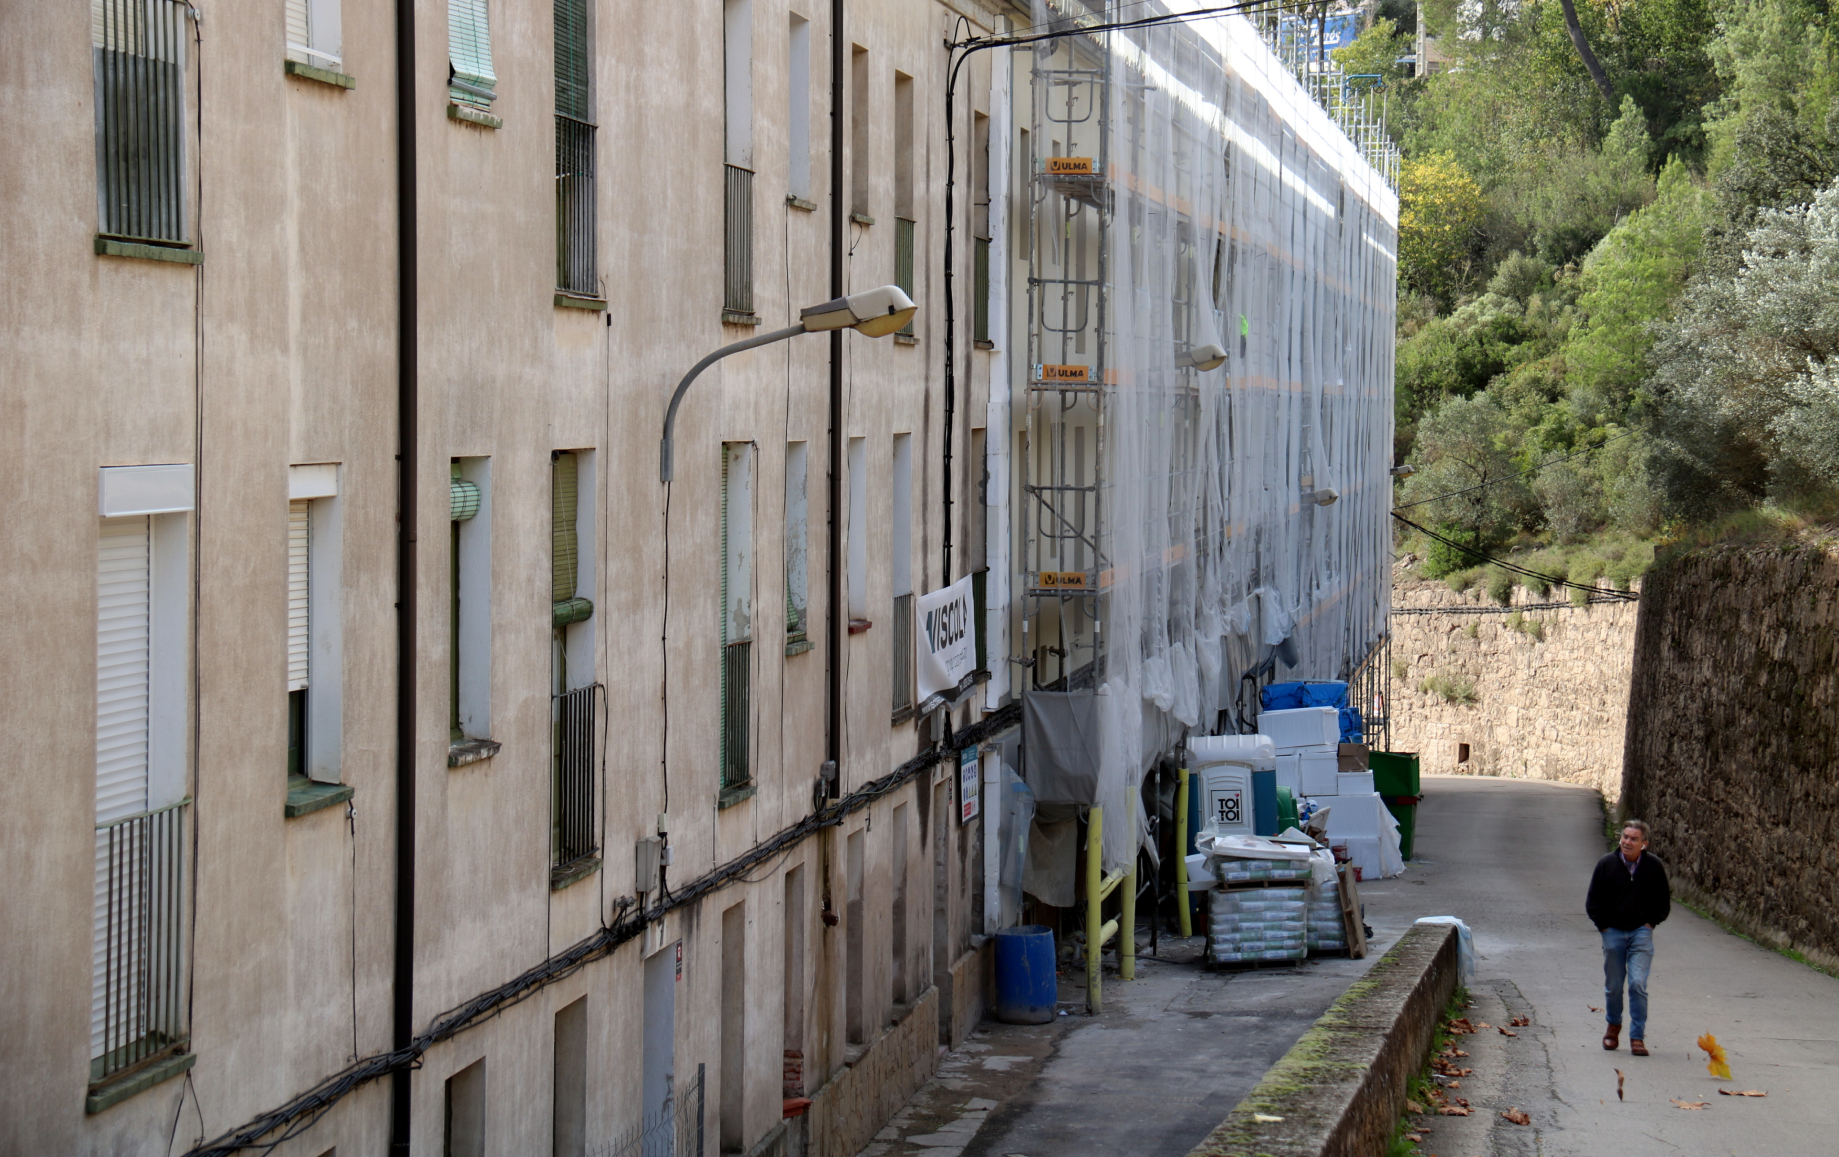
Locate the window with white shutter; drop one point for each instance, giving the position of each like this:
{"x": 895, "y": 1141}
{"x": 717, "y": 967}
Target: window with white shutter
{"x": 314, "y": 33}
{"x": 299, "y": 532}
{"x": 469, "y": 54}
{"x": 124, "y": 590}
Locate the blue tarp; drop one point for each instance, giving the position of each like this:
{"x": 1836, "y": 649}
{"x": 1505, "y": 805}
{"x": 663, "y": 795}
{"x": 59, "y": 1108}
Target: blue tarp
{"x": 1353, "y": 728}
{"x": 1286, "y": 696}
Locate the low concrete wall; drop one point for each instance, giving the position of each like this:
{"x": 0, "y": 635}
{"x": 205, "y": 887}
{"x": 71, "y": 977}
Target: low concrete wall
{"x": 1340, "y": 1090}
{"x": 970, "y": 980}
{"x": 848, "y": 1111}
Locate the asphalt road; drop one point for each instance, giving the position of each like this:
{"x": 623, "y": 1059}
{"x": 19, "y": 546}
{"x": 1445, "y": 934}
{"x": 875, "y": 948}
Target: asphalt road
{"x": 1513, "y": 859}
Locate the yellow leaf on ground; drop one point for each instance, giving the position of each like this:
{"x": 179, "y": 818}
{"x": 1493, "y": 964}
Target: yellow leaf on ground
{"x": 1619, "y": 1079}
{"x": 1688, "y": 1104}
{"x": 1720, "y": 1064}
{"x": 1743, "y": 1092}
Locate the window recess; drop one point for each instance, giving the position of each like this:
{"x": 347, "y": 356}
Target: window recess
{"x": 139, "y": 56}
{"x": 470, "y": 80}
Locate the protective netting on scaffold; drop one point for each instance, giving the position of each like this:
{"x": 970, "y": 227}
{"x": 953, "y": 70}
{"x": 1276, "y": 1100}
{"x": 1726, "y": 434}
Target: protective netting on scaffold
{"x": 1224, "y": 209}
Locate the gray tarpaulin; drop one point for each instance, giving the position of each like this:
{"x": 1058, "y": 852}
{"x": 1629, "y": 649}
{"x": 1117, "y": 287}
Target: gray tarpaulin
{"x": 1060, "y": 746}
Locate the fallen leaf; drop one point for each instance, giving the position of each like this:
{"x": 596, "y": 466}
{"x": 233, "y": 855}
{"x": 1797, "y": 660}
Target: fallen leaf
{"x": 1504, "y": 1032}
{"x": 1265, "y": 1118}
{"x": 1743, "y": 1092}
{"x": 1462, "y": 1101}
{"x": 1458, "y": 1052}
{"x": 1517, "y": 1116}
{"x": 1619, "y": 1080}
{"x": 1593, "y": 1008}
{"x": 1720, "y": 1064}
{"x": 1414, "y": 1138}
{"x": 1461, "y": 1024}
{"x": 1458, "y": 1085}
{"x": 1688, "y": 1104}
{"x": 1413, "y": 1107}
{"x": 1453, "y": 1111}
{"x": 1520, "y": 1021}
{"x": 1484, "y": 1024}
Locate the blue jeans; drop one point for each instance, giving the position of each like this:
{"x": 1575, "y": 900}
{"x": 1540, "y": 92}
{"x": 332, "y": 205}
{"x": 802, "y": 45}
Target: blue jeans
{"x": 1627, "y": 957}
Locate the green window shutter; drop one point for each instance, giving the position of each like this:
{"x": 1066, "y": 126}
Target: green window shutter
{"x": 565, "y": 556}
{"x": 469, "y": 52}
{"x": 571, "y": 60}
{"x": 980, "y": 328}
{"x": 903, "y": 260}
{"x": 462, "y": 499}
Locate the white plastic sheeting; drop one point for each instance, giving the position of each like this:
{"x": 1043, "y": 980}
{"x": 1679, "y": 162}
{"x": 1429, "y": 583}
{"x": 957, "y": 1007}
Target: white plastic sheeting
{"x": 1172, "y": 540}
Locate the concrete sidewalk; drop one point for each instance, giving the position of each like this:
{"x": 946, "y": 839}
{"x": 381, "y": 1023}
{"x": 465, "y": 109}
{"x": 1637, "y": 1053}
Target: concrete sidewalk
{"x": 1513, "y": 858}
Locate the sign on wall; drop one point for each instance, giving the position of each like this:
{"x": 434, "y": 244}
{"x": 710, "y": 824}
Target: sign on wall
{"x": 945, "y": 634}
{"x": 969, "y": 785}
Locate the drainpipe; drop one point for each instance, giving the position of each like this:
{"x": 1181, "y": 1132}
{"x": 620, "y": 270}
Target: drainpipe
{"x": 837, "y": 613}
{"x": 402, "y": 1020}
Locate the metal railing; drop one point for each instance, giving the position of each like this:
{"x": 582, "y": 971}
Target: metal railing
{"x": 903, "y": 261}
{"x": 980, "y": 325}
{"x": 903, "y": 656}
{"x": 137, "y": 995}
{"x": 575, "y": 264}
{"x": 572, "y": 790}
{"x": 139, "y": 48}
{"x": 675, "y": 1130}
{"x": 1369, "y": 688}
{"x": 737, "y": 240}
{"x": 737, "y": 674}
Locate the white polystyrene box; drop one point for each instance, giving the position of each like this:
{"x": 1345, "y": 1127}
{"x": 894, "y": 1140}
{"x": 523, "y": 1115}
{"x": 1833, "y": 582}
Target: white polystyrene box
{"x": 1301, "y": 726}
{"x": 1356, "y": 782}
{"x": 1289, "y": 775}
{"x": 1318, "y": 772}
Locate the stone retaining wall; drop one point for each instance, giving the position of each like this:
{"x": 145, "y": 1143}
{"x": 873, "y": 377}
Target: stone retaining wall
{"x": 1733, "y": 737}
{"x": 847, "y": 1112}
{"x": 1551, "y": 697}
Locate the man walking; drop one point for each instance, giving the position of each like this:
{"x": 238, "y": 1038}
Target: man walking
{"x": 1628, "y": 897}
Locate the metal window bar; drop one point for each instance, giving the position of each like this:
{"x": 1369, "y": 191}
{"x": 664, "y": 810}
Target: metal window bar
{"x": 903, "y": 656}
{"x": 980, "y": 330}
{"x": 573, "y": 795}
{"x": 575, "y": 256}
{"x": 138, "y": 989}
{"x": 903, "y": 261}
{"x": 737, "y": 248}
{"x": 737, "y": 666}
{"x": 139, "y": 51}
{"x": 674, "y": 1130}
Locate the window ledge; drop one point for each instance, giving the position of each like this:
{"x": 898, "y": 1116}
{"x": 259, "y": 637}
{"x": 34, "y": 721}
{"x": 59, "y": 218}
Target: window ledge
{"x": 307, "y": 71}
{"x": 906, "y": 339}
{"x": 984, "y": 343}
{"x": 796, "y": 647}
{"x": 732, "y": 795}
{"x": 862, "y": 218}
{"x": 472, "y": 116}
{"x": 305, "y": 796}
{"x": 140, "y": 1080}
{"x": 574, "y": 301}
{"x": 581, "y": 869}
{"x": 902, "y": 714}
{"x": 798, "y": 202}
{"x": 736, "y": 317}
{"x": 109, "y": 247}
{"x": 857, "y": 626}
{"x": 472, "y": 751}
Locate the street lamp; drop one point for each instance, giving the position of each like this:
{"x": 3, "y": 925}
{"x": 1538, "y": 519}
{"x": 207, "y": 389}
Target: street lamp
{"x": 1202, "y": 358}
{"x": 872, "y": 313}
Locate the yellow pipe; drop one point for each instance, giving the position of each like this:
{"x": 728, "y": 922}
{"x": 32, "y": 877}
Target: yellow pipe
{"x": 1107, "y": 932}
{"x": 1181, "y": 852}
{"x": 1095, "y": 828}
{"x": 1127, "y": 947}
{"x": 1109, "y": 884}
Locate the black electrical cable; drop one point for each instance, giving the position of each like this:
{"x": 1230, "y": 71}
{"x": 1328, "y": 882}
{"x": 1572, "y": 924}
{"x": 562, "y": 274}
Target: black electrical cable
{"x": 1554, "y": 580}
{"x": 299, "y": 1114}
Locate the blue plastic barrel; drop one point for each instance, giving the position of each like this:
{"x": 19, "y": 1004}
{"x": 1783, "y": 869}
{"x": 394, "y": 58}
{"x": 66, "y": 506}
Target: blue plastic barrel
{"x": 1264, "y": 803}
{"x": 1025, "y": 983}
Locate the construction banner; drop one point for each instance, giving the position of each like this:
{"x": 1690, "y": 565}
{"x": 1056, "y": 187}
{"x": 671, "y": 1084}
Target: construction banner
{"x": 945, "y": 635}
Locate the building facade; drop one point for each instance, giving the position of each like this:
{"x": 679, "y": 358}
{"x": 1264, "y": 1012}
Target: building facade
{"x": 347, "y": 349}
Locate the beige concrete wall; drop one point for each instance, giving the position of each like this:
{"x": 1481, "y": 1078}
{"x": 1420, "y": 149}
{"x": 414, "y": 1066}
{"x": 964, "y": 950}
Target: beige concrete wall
{"x": 281, "y": 349}
{"x": 1550, "y": 705}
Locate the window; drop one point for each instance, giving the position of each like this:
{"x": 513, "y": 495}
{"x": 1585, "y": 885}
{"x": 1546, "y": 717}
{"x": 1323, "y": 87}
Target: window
{"x": 798, "y": 110}
{"x": 734, "y": 1029}
{"x": 314, "y": 643}
{"x": 568, "y": 1129}
{"x": 855, "y": 531}
{"x": 737, "y": 56}
{"x": 736, "y": 615}
{"x": 313, "y": 34}
{"x": 464, "y": 1135}
{"x": 900, "y": 571}
{"x": 575, "y": 259}
{"x": 794, "y": 977}
{"x": 797, "y": 541}
{"x": 854, "y": 1016}
{"x": 980, "y": 229}
{"x": 137, "y": 1005}
{"x": 898, "y": 939}
{"x": 139, "y": 51}
{"x": 858, "y": 129}
{"x": 904, "y": 211}
{"x": 574, "y": 691}
{"x": 470, "y": 79}
{"x": 470, "y": 598}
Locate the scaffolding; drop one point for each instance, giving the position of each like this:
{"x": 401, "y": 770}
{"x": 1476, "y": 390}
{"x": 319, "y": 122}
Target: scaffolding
{"x": 1186, "y": 525}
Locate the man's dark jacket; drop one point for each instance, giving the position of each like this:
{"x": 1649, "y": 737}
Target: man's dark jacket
{"x": 1618, "y": 900}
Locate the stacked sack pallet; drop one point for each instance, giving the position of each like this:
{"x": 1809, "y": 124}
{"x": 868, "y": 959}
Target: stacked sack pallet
{"x": 1327, "y": 927}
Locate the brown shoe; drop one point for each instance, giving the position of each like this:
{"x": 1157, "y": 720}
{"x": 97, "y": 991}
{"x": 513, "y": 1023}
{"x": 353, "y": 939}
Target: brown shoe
{"x": 1612, "y": 1036}
{"x": 1639, "y": 1048}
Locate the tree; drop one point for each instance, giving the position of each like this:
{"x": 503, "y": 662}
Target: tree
{"x": 1466, "y": 473}
{"x": 1583, "y": 52}
{"x": 1440, "y": 209}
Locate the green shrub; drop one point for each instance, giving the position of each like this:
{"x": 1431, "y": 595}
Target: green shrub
{"x": 1472, "y": 631}
{"x": 1462, "y": 580}
{"x": 1499, "y": 585}
{"x": 1441, "y": 559}
{"x": 1453, "y": 688}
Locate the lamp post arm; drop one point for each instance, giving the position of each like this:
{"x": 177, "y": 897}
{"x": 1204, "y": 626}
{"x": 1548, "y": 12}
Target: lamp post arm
{"x": 676, "y": 399}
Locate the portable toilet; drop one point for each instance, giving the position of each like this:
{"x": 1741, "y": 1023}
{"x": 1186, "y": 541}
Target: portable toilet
{"x": 1236, "y": 784}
